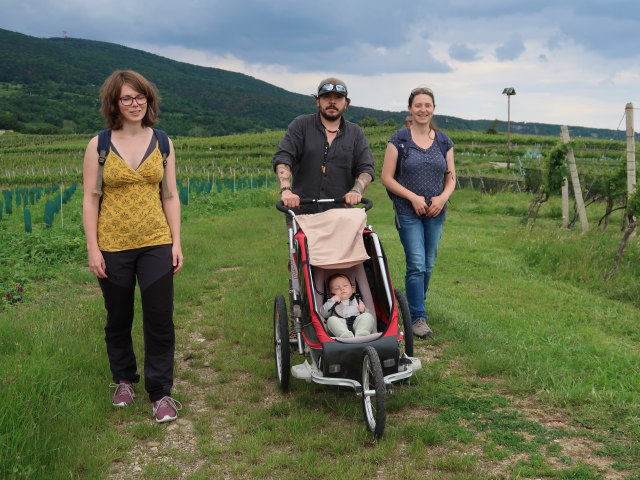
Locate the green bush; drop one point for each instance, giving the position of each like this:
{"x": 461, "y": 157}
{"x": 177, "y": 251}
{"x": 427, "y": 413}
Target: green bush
{"x": 36, "y": 256}
{"x": 580, "y": 260}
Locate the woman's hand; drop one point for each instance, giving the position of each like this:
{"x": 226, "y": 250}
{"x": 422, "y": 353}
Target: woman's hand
{"x": 96, "y": 264}
{"x": 178, "y": 259}
{"x": 436, "y": 207}
{"x": 419, "y": 204}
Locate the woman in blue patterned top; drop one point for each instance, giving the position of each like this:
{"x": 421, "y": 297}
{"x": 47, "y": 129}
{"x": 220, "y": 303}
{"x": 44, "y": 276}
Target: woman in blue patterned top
{"x": 419, "y": 174}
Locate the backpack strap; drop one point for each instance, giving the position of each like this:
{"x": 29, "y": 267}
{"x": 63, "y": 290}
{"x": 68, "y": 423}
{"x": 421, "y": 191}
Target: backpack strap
{"x": 104, "y": 144}
{"x": 441, "y": 140}
{"x": 163, "y": 146}
{"x": 403, "y": 139}
{"x": 401, "y": 145}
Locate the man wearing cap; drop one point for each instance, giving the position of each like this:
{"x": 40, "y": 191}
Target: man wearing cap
{"x": 327, "y": 156}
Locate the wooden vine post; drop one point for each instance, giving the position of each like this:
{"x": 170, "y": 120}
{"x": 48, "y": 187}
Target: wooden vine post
{"x": 631, "y": 151}
{"x": 633, "y": 197}
{"x": 575, "y": 180}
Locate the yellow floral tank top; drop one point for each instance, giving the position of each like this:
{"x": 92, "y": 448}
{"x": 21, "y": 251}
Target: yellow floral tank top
{"x": 131, "y": 214}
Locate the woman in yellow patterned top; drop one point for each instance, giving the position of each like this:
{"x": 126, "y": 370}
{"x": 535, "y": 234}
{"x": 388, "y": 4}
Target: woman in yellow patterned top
{"x": 133, "y": 233}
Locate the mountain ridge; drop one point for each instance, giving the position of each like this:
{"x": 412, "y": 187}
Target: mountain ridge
{"x": 51, "y": 85}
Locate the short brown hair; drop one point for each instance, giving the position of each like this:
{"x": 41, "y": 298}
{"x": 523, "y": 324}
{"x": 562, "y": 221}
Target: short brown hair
{"x": 336, "y": 276}
{"x": 110, "y": 97}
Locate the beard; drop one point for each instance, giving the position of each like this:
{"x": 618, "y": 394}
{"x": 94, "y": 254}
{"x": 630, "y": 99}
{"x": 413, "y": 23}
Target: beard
{"x": 331, "y": 115}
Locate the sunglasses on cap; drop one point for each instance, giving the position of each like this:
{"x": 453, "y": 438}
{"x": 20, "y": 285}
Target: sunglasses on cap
{"x": 332, "y": 87}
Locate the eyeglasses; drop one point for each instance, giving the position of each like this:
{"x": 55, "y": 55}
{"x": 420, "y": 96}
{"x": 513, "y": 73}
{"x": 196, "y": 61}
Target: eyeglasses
{"x": 331, "y": 87}
{"x": 127, "y": 101}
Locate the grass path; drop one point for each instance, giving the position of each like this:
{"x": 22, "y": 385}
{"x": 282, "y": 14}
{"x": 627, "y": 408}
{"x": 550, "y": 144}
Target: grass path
{"x": 529, "y": 376}
{"x": 494, "y": 400}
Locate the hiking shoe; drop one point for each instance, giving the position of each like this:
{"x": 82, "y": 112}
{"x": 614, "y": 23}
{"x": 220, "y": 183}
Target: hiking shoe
{"x": 421, "y": 329}
{"x": 124, "y": 393}
{"x": 166, "y": 409}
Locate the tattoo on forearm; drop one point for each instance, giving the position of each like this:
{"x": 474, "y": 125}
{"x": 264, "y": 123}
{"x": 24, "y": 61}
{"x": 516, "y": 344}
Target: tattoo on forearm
{"x": 362, "y": 182}
{"x": 284, "y": 174}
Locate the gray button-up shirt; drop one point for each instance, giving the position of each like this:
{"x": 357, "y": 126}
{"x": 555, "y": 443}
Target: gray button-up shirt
{"x": 303, "y": 149}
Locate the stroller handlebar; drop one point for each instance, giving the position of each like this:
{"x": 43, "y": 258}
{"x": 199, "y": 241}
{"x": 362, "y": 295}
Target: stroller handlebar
{"x": 307, "y": 201}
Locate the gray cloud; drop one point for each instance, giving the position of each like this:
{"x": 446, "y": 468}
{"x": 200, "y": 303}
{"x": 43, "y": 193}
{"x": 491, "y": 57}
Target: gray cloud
{"x": 556, "y": 41}
{"x": 463, "y": 53}
{"x": 354, "y": 38}
{"x": 361, "y": 36}
{"x": 511, "y": 49}
{"x": 610, "y": 37}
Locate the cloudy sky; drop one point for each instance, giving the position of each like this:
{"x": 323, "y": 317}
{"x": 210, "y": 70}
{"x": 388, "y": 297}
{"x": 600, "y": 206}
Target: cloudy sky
{"x": 575, "y": 62}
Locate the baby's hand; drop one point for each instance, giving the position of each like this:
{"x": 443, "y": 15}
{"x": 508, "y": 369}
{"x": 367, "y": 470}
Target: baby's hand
{"x": 335, "y": 298}
{"x": 361, "y": 307}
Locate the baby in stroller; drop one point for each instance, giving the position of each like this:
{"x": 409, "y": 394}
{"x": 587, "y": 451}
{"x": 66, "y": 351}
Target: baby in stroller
{"x": 340, "y": 276}
{"x": 345, "y": 312}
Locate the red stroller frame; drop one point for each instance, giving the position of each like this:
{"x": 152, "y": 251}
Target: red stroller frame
{"x": 369, "y": 364}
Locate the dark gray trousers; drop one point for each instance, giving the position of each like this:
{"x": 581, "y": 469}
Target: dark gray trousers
{"x": 152, "y": 268}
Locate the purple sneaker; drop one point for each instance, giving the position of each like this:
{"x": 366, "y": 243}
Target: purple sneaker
{"x": 124, "y": 393}
{"x": 166, "y": 409}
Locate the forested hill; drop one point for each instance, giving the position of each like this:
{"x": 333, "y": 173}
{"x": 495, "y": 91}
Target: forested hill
{"x": 51, "y": 86}
{"x": 55, "y": 82}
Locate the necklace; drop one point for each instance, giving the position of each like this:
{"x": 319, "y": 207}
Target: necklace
{"x": 331, "y": 131}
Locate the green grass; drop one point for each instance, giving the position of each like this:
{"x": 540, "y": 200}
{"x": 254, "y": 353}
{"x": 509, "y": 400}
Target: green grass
{"x": 533, "y": 355}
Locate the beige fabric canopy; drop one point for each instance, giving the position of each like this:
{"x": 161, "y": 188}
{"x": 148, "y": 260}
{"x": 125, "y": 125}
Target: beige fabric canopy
{"x": 335, "y": 237}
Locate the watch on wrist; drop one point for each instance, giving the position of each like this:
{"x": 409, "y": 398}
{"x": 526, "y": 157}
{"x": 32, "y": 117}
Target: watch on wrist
{"x": 285, "y": 188}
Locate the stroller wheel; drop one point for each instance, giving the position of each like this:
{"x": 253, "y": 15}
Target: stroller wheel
{"x": 281, "y": 342}
{"x": 373, "y": 392}
{"x": 405, "y": 318}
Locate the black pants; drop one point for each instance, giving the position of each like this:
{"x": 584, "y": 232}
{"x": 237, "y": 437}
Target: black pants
{"x": 152, "y": 266}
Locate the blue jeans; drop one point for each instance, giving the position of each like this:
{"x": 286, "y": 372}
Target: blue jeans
{"x": 420, "y": 237}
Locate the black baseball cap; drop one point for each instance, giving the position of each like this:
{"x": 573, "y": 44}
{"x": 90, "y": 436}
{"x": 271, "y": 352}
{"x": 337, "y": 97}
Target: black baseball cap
{"x": 331, "y": 85}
